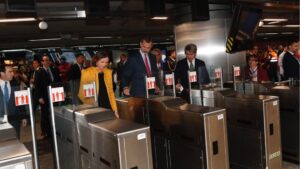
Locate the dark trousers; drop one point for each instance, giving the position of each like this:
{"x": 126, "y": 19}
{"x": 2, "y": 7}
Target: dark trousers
{"x": 17, "y": 126}
{"x": 45, "y": 119}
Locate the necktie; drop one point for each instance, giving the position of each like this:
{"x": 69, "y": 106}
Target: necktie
{"x": 6, "y": 94}
{"x": 50, "y": 74}
{"x": 191, "y": 66}
{"x": 147, "y": 66}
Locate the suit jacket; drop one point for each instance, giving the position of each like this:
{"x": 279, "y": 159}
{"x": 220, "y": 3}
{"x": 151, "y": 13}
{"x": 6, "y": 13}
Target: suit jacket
{"x": 74, "y": 73}
{"x": 135, "y": 71}
{"x": 181, "y": 75}
{"x": 13, "y": 113}
{"x": 41, "y": 82}
{"x": 262, "y": 74}
{"x": 290, "y": 66}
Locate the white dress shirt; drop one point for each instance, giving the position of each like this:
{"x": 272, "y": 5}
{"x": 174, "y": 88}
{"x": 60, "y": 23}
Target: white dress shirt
{"x": 2, "y": 84}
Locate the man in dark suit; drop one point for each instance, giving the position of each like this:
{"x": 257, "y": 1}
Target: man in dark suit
{"x": 139, "y": 64}
{"x": 190, "y": 63}
{"x": 8, "y": 110}
{"x": 44, "y": 77}
{"x": 74, "y": 76}
{"x": 290, "y": 61}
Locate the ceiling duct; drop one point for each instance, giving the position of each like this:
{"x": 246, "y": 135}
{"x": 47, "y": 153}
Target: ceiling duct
{"x": 20, "y": 8}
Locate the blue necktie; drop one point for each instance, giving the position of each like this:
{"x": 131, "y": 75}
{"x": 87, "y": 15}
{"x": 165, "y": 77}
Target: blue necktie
{"x": 6, "y": 96}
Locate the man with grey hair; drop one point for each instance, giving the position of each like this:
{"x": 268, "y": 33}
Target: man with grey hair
{"x": 190, "y": 63}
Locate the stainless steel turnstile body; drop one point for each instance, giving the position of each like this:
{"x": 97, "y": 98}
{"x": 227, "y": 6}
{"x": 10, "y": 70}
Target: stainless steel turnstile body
{"x": 183, "y": 135}
{"x": 121, "y": 144}
{"x": 67, "y": 140}
{"x": 83, "y": 119}
{"x": 254, "y": 131}
{"x": 14, "y": 155}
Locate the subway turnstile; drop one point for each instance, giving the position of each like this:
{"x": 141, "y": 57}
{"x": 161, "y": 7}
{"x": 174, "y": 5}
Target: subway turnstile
{"x": 83, "y": 119}
{"x": 121, "y": 144}
{"x": 183, "y": 135}
{"x": 68, "y": 146}
{"x": 14, "y": 155}
{"x": 254, "y": 131}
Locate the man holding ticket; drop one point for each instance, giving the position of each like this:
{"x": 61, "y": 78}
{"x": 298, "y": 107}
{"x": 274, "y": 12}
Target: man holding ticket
{"x": 194, "y": 66}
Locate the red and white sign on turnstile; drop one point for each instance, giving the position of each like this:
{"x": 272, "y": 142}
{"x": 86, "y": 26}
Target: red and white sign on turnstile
{"x": 89, "y": 90}
{"x": 169, "y": 79}
{"x": 151, "y": 83}
{"x": 57, "y": 94}
{"x": 237, "y": 71}
{"x": 21, "y": 97}
{"x": 192, "y": 76}
{"x": 218, "y": 73}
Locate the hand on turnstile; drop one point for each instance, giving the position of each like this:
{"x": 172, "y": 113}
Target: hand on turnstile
{"x": 117, "y": 114}
{"x": 126, "y": 91}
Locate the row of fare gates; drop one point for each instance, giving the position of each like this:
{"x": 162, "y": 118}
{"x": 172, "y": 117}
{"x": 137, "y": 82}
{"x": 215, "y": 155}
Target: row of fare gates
{"x": 243, "y": 126}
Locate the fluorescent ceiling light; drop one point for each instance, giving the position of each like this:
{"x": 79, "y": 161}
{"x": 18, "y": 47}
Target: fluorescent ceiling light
{"x": 81, "y": 14}
{"x": 17, "y": 20}
{"x": 16, "y": 50}
{"x": 287, "y": 33}
{"x": 292, "y": 26}
{"x": 159, "y": 18}
{"x": 271, "y": 33}
{"x": 271, "y": 26}
{"x": 50, "y": 39}
{"x": 98, "y": 37}
{"x": 274, "y": 20}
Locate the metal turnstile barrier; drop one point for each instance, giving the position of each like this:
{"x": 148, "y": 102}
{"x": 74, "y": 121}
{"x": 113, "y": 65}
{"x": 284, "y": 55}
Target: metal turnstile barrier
{"x": 68, "y": 146}
{"x": 178, "y": 129}
{"x": 14, "y": 155}
{"x": 118, "y": 144}
{"x": 254, "y": 131}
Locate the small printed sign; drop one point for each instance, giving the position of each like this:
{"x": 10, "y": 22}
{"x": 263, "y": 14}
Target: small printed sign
{"x": 21, "y": 98}
{"x": 141, "y": 136}
{"x": 89, "y": 90}
{"x": 237, "y": 71}
{"x": 169, "y": 79}
{"x": 150, "y": 83}
{"x": 220, "y": 116}
{"x": 218, "y": 73}
{"x": 192, "y": 76}
{"x": 57, "y": 94}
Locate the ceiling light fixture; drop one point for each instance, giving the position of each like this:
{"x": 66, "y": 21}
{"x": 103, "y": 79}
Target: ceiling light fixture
{"x": 159, "y": 18}
{"x": 38, "y": 40}
{"x": 292, "y": 26}
{"x": 287, "y": 33}
{"x": 98, "y": 37}
{"x": 17, "y": 20}
{"x": 274, "y": 20}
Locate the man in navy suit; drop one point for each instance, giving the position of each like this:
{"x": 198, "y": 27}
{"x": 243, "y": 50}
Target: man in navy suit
{"x": 8, "y": 110}
{"x": 140, "y": 64}
{"x": 190, "y": 63}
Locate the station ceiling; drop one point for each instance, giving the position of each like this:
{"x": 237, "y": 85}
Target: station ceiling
{"x": 126, "y": 23}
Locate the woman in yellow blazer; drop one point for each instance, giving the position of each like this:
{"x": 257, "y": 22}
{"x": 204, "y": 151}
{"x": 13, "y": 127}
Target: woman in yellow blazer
{"x": 104, "y": 83}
